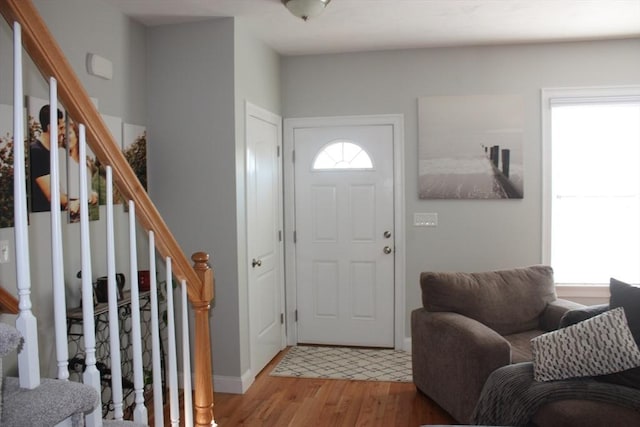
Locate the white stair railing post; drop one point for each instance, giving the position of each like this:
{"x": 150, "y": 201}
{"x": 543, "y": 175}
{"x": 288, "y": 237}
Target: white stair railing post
{"x": 57, "y": 253}
{"x": 186, "y": 359}
{"x": 28, "y": 361}
{"x": 114, "y": 326}
{"x": 140, "y": 411}
{"x": 91, "y": 374}
{"x": 173, "y": 364}
{"x": 158, "y": 410}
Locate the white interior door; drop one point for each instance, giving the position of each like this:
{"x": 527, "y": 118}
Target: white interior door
{"x": 264, "y": 245}
{"x": 344, "y": 222}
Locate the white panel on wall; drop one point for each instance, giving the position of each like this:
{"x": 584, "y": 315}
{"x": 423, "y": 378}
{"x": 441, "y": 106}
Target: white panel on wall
{"x": 363, "y": 298}
{"x": 325, "y": 213}
{"x": 114, "y": 124}
{"x": 363, "y": 211}
{"x": 325, "y": 288}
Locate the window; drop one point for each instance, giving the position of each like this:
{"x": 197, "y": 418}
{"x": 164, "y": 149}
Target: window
{"x": 342, "y": 155}
{"x": 592, "y": 191}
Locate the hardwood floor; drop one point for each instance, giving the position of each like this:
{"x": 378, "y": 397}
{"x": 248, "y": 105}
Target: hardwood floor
{"x": 281, "y": 401}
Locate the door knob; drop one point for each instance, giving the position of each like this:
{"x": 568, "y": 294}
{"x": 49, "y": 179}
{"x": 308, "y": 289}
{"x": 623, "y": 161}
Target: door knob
{"x": 386, "y": 234}
{"x": 386, "y": 250}
{"x": 256, "y": 262}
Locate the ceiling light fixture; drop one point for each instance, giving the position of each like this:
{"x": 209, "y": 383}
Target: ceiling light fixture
{"x": 305, "y": 9}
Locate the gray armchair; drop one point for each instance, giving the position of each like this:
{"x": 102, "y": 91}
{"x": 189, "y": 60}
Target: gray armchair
{"x": 473, "y": 323}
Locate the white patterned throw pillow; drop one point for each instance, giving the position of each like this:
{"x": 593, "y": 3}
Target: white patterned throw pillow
{"x": 597, "y": 346}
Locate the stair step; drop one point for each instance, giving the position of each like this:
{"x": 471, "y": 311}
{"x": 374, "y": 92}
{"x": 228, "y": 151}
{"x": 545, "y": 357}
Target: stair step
{"x": 48, "y": 404}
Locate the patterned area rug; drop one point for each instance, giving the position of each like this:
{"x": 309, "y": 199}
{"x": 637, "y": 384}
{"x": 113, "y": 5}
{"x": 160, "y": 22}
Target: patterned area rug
{"x": 345, "y": 363}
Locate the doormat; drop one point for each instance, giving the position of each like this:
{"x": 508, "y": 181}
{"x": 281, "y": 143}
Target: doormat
{"x": 345, "y": 363}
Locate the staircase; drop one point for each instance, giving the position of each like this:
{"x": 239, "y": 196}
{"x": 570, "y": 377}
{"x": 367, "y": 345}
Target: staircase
{"x": 195, "y": 280}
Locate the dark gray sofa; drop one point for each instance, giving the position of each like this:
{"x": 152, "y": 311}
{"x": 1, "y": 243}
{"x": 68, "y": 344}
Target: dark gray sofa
{"x": 473, "y": 323}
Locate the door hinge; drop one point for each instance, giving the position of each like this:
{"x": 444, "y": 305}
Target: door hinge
{"x": 293, "y": 156}
{"x": 279, "y": 235}
{"x": 282, "y": 318}
{"x": 295, "y": 236}
{"x": 278, "y": 151}
{"x": 295, "y": 313}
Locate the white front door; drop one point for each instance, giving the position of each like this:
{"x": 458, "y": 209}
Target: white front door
{"x": 264, "y": 245}
{"x": 344, "y": 222}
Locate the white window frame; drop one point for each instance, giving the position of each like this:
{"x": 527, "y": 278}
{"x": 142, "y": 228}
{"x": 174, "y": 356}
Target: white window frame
{"x": 342, "y": 169}
{"x": 558, "y": 96}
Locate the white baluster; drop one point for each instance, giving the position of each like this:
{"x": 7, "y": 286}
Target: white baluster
{"x": 57, "y": 254}
{"x": 91, "y": 375}
{"x": 114, "y": 327}
{"x": 28, "y": 362}
{"x": 140, "y": 411}
{"x": 186, "y": 359}
{"x": 173, "y": 365}
{"x": 158, "y": 411}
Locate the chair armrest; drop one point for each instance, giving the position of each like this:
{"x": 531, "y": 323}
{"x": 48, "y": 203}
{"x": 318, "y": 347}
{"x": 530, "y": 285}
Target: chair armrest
{"x": 453, "y": 356}
{"x": 550, "y": 318}
{"x": 578, "y": 315}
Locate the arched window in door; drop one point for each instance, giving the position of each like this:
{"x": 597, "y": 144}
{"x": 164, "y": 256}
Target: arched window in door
{"x": 342, "y": 155}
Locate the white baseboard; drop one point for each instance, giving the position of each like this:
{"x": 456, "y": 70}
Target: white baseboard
{"x": 233, "y": 385}
{"x": 406, "y": 346}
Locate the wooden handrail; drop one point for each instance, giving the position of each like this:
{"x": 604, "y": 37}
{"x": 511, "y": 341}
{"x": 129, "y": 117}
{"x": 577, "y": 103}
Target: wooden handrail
{"x": 51, "y": 61}
{"x": 8, "y": 303}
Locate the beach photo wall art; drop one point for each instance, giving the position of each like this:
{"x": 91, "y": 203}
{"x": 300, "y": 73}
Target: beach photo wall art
{"x": 470, "y": 147}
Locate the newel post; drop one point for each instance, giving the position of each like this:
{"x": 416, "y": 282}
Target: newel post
{"x": 203, "y": 382}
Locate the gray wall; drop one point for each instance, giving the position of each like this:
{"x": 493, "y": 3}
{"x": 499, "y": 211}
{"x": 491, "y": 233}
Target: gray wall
{"x": 472, "y": 235}
{"x": 192, "y": 163}
{"x": 197, "y": 93}
{"x": 109, "y": 34}
{"x": 262, "y": 89}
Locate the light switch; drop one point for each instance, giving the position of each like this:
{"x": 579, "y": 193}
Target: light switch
{"x": 426, "y": 219}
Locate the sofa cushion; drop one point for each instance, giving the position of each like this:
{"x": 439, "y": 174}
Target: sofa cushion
{"x": 628, "y": 297}
{"x": 507, "y": 301}
{"x": 572, "y": 317}
{"x": 597, "y": 346}
{"x": 521, "y": 345}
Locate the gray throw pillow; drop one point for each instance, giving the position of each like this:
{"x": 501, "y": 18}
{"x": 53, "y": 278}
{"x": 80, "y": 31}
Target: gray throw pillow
{"x": 597, "y": 346}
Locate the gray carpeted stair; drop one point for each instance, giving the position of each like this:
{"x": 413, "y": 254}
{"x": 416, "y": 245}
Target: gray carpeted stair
{"x": 113, "y": 423}
{"x": 48, "y": 404}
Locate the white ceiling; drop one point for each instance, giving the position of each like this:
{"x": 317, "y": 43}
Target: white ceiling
{"x": 355, "y": 25}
